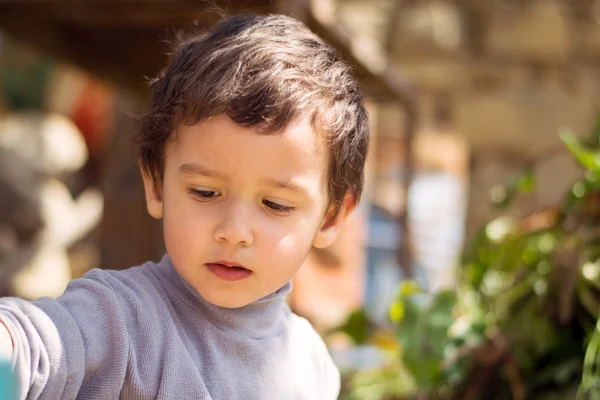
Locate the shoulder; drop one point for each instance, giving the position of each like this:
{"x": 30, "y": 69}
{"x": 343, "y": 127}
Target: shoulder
{"x": 310, "y": 344}
{"x": 106, "y": 294}
{"x": 302, "y": 330}
{"x": 301, "y": 327}
{"x": 134, "y": 279}
{"x": 130, "y": 284}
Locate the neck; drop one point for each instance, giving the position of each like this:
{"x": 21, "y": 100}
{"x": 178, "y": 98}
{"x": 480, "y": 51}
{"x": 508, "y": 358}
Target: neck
{"x": 259, "y": 319}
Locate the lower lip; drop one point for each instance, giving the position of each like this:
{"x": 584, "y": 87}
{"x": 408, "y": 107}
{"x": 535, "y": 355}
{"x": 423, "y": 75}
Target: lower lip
{"x": 228, "y": 273}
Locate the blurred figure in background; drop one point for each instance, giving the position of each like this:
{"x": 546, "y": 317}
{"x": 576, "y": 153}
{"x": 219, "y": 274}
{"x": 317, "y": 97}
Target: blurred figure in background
{"x": 39, "y": 219}
{"x": 52, "y": 120}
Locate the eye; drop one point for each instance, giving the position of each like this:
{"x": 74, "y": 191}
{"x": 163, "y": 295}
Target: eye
{"x": 278, "y": 208}
{"x": 204, "y": 195}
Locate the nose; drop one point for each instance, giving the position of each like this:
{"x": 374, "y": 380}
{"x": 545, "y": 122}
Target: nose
{"x": 234, "y": 227}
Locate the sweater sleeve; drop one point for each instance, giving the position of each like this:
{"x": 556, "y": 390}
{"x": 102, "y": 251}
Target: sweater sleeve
{"x": 78, "y": 342}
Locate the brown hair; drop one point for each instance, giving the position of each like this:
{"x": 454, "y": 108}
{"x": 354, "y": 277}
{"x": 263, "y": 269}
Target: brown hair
{"x": 261, "y": 71}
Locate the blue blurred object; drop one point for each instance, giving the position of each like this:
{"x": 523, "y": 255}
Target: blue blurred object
{"x": 8, "y": 387}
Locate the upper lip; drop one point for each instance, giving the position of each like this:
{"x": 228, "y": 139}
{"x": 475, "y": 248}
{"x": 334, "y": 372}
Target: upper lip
{"x": 229, "y": 263}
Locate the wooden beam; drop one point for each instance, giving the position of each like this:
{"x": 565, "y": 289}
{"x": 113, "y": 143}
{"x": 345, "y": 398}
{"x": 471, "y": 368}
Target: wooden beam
{"x": 132, "y": 10}
{"x": 118, "y": 40}
{"x": 102, "y": 53}
{"x": 378, "y": 78}
{"x": 126, "y": 15}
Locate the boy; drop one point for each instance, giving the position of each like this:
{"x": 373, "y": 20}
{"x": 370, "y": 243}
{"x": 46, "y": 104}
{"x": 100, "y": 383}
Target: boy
{"x": 252, "y": 151}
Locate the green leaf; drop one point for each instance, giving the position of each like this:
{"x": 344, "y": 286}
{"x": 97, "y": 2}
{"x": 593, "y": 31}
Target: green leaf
{"x": 589, "y": 158}
{"x": 526, "y": 182}
{"x": 423, "y": 334}
{"x": 357, "y": 326}
{"x": 595, "y": 136}
{"x": 397, "y": 312}
{"x": 590, "y": 382}
{"x": 409, "y": 288}
{"x": 588, "y": 299}
{"x": 392, "y": 381}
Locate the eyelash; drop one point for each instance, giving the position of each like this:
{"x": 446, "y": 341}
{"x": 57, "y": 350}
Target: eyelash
{"x": 207, "y": 195}
{"x": 201, "y": 194}
{"x": 278, "y": 208}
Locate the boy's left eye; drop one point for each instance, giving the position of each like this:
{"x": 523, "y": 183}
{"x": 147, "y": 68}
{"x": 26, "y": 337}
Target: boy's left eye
{"x": 278, "y": 208}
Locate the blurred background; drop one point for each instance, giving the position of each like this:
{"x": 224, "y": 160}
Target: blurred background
{"x": 471, "y": 269}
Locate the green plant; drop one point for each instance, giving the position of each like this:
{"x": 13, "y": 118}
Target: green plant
{"x": 525, "y": 320}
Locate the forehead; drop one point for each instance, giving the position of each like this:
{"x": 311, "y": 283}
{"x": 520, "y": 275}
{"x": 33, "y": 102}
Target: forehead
{"x": 222, "y": 142}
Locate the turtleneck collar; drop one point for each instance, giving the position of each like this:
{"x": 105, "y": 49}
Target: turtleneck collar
{"x": 257, "y": 320}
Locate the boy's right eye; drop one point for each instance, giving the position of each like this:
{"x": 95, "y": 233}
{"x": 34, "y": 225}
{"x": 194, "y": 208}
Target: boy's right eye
{"x": 204, "y": 195}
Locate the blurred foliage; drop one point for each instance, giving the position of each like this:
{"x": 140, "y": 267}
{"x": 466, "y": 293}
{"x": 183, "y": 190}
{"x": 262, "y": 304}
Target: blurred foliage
{"x": 524, "y": 320}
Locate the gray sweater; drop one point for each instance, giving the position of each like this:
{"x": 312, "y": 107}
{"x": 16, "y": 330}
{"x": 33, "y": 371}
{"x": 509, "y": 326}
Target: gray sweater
{"x": 144, "y": 333}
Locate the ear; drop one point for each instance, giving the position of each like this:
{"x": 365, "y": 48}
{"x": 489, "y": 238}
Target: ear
{"x": 154, "y": 198}
{"x": 332, "y": 222}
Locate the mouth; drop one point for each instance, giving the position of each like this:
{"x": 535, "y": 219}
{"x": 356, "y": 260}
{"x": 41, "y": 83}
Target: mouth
{"x": 228, "y": 271}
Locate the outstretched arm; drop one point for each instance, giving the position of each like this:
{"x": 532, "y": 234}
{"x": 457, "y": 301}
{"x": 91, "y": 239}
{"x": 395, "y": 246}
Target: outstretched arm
{"x": 58, "y": 347}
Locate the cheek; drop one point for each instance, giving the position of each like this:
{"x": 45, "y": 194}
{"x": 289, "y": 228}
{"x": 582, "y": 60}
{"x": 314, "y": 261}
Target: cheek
{"x": 289, "y": 242}
{"x": 183, "y": 222}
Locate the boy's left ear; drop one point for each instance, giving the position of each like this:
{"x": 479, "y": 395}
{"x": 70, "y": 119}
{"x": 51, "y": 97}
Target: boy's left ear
{"x": 332, "y": 223}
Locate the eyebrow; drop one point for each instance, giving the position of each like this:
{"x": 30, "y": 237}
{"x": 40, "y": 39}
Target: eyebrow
{"x": 193, "y": 169}
{"x": 289, "y": 185}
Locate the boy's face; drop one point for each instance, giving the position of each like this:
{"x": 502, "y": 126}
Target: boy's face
{"x": 242, "y": 209}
